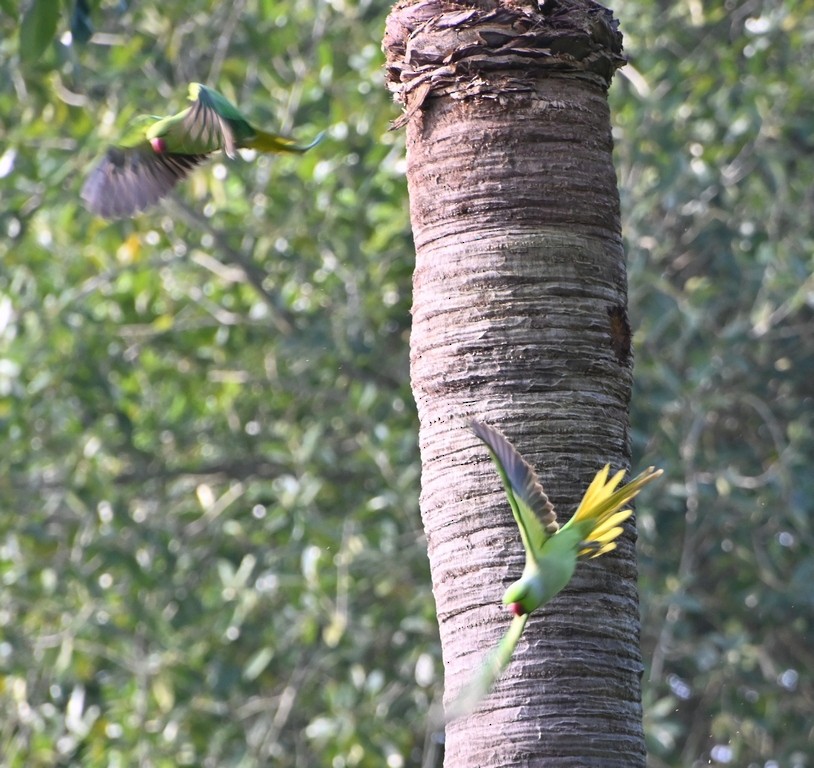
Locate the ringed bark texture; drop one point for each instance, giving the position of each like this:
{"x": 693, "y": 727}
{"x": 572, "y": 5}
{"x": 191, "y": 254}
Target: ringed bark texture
{"x": 519, "y": 318}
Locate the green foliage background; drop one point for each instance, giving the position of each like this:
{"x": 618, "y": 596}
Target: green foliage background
{"x": 210, "y": 547}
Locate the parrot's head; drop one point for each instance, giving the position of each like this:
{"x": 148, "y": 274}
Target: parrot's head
{"x": 525, "y": 594}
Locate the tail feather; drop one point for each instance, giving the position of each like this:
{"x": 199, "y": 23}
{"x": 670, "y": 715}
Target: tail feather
{"x": 603, "y": 509}
{"x": 263, "y": 141}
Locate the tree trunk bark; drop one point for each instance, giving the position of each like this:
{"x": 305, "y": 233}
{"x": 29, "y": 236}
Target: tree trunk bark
{"x": 519, "y": 319}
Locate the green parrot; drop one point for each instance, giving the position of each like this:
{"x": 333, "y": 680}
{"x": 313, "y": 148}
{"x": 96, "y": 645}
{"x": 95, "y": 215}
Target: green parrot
{"x": 158, "y": 152}
{"x": 551, "y": 550}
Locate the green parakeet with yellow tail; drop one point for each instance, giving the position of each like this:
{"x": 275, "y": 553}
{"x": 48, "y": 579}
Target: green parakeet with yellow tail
{"x": 158, "y": 152}
{"x": 551, "y": 550}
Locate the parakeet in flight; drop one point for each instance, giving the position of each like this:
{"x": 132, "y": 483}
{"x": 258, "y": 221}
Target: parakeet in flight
{"x": 160, "y": 151}
{"x": 551, "y": 550}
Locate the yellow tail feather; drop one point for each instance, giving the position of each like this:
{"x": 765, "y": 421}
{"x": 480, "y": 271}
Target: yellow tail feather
{"x": 270, "y": 142}
{"x": 602, "y": 507}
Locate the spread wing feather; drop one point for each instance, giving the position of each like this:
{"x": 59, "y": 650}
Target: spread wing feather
{"x": 207, "y": 127}
{"x": 532, "y": 510}
{"x": 127, "y": 181}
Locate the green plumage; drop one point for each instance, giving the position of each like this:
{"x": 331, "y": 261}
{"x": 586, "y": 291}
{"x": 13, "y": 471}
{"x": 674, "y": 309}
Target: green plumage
{"x": 157, "y": 152}
{"x": 551, "y": 550}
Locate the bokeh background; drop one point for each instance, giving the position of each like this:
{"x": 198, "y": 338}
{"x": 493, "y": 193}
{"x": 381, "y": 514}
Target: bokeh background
{"x": 210, "y": 546}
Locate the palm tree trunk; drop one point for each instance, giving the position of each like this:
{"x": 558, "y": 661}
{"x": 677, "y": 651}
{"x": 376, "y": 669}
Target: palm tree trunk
{"x": 519, "y": 318}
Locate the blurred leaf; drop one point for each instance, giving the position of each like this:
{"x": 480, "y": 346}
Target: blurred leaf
{"x": 37, "y": 29}
{"x": 81, "y": 22}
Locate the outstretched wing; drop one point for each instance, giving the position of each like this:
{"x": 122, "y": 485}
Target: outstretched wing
{"x": 219, "y": 124}
{"x": 497, "y": 660}
{"x": 128, "y": 180}
{"x": 213, "y": 122}
{"x": 532, "y": 510}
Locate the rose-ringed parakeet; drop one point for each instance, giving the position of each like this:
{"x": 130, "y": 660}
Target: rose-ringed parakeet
{"x": 551, "y": 550}
{"x": 160, "y": 151}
